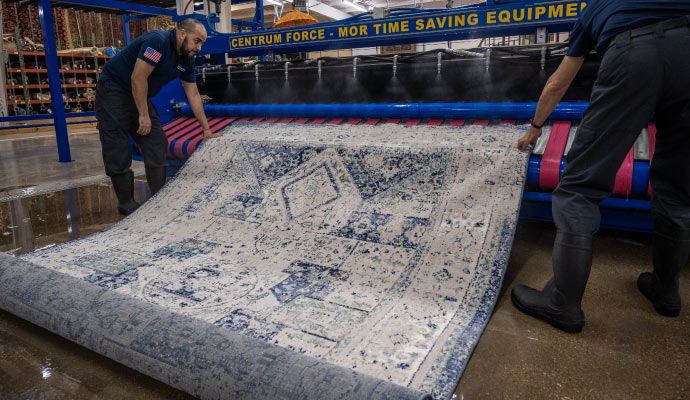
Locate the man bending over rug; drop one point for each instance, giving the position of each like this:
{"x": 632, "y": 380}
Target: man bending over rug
{"x": 123, "y": 106}
{"x": 644, "y": 47}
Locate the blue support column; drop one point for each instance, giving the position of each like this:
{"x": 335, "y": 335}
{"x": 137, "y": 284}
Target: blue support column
{"x": 125, "y": 27}
{"x": 259, "y": 14}
{"x": 259, "y": 20}
{"x": 53, "y": 66}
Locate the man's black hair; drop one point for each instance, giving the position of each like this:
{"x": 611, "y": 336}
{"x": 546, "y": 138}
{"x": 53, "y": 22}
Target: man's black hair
{"x": 189, "y": 24}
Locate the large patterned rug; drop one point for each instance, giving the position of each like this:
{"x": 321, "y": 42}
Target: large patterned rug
{"x": 374, "y": 253}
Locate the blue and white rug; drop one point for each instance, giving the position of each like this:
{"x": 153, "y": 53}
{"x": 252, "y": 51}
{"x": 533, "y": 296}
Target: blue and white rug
{"x": 380, "y": 249}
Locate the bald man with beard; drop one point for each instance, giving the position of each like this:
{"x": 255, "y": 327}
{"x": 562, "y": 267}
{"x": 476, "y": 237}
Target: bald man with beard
{"x": 124, "y": 109}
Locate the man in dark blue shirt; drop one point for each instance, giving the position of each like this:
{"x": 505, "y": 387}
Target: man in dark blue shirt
{"x": 124, "y": 109}
{"x": 644, "y": 47}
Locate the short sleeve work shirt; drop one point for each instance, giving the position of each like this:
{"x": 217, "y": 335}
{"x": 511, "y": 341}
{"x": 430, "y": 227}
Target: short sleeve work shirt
{"x": 602, "y": 20}
{"x": 157, "y": 48}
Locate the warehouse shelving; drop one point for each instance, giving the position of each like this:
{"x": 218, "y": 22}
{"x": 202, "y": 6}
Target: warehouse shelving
{"x": 23, "y": 83}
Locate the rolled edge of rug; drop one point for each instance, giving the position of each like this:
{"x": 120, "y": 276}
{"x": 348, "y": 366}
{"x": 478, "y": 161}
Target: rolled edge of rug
{"x": 189, "y": 354}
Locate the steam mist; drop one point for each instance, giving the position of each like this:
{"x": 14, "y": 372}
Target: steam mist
{"x": 416, "y": 80}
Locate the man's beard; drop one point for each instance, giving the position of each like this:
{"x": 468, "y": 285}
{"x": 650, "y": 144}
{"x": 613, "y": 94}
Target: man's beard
{"x": 186, "y": 52}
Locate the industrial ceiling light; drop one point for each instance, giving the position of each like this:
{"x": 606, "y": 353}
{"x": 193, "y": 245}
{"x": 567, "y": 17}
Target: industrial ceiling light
{"x": 353, "y": 5}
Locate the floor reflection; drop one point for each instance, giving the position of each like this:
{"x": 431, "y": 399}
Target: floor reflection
{"x": 34, "y": 222}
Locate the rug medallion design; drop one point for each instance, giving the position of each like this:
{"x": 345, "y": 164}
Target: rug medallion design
{"x": 380, "y": 249}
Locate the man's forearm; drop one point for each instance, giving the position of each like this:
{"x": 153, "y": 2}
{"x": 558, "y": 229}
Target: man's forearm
{"x": 549, "y": 99}
{"x": 556, "y": 86}
{"x": 197, "y": 106}
{"x": 140, "y": 88}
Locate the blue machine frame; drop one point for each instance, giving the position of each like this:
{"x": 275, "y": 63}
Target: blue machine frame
{"x": 493, "y": 18}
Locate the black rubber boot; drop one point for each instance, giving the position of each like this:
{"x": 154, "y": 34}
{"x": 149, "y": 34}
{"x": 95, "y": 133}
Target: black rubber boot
{"x": 124, "y": 190}
{"x": 155, "y": 176}
{"x": 671, "y": 250}
{"x": 559, "y": 303}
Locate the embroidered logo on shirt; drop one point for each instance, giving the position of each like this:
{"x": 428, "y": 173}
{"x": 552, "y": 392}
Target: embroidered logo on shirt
{"x": 181, "y": 68}
{"x": 152, "y": 54}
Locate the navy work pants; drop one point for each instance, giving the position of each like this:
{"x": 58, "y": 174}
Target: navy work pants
{"x": 118, "y": 120}
{"x": 638, "y": 76}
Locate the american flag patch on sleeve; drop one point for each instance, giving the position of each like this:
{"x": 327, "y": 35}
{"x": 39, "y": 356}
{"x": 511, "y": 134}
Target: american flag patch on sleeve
{"x": 152, "y": 54}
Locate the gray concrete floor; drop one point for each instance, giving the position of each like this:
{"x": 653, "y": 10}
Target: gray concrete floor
{"x": 626, "y": 350}
{"x": 29, "y": 163}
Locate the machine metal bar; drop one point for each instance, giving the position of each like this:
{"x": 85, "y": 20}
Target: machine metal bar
{"x": 45, "y": 116}
{"x": 242, "y": 23}
{"x": 41, "y": 125}
{"x": 53, "y": 65}
{"x": 119, "y": 5}
{"x": 125, "y": 28}
{"x": 259, "y": 13}
{"x": 640, "y": 175}
{"x": 133, "y": 17}
{"x": 612, "y": 202}
{"x": 616, "y": 213}
{"x": 564, "y": 111}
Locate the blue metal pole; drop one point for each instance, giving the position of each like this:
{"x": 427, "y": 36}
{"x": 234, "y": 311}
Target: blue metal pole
{"x": 259, "y": 20}
{"x": 16, "y": 118}
{"x": 125, "y": 26}
{"x": 53, "y": 65}
{"x": 565, "y": 111}
{"x": 259, "y": 14}
{"x": 2, "y": 128}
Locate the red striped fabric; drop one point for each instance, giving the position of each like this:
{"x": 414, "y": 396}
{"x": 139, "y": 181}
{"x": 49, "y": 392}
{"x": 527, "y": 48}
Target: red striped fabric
{"x": 481, "y": 122}
{"x": 457, "y": 122}
{"x": 301, "y": 120}
{"x": 172, "y": 131}
{"x": 182, "y": 132}
{"x": 172, "y": 124}
{"x": 392, "y": 121}
{"x": 372, "y": 121}
{"x": 507, "y": 122}
{"x": 336, "y": 121}
{"x": 286, "y": 120}
{"x": 623, "y": 183}
{"x": 651, "y": 128}
{"x": 435, "y": 122}
{"x": 272, "y": 120}
{"x": 176, "y": 148}
{"x": 549, "y": 172}
{"x": 194, "y": 143}
{"x": 258, "y": 119}
{"x": 318, "y": 121}
{"x": 244, "y": 119}
{"x": 354, "y": 121}
{"x": 413, "y": 122}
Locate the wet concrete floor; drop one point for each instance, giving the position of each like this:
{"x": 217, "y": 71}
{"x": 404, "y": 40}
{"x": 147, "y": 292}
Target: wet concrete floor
{"x": 32, "y": 222}
{"x": 29, "y": 164}
{"x": 626, "y": 350}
